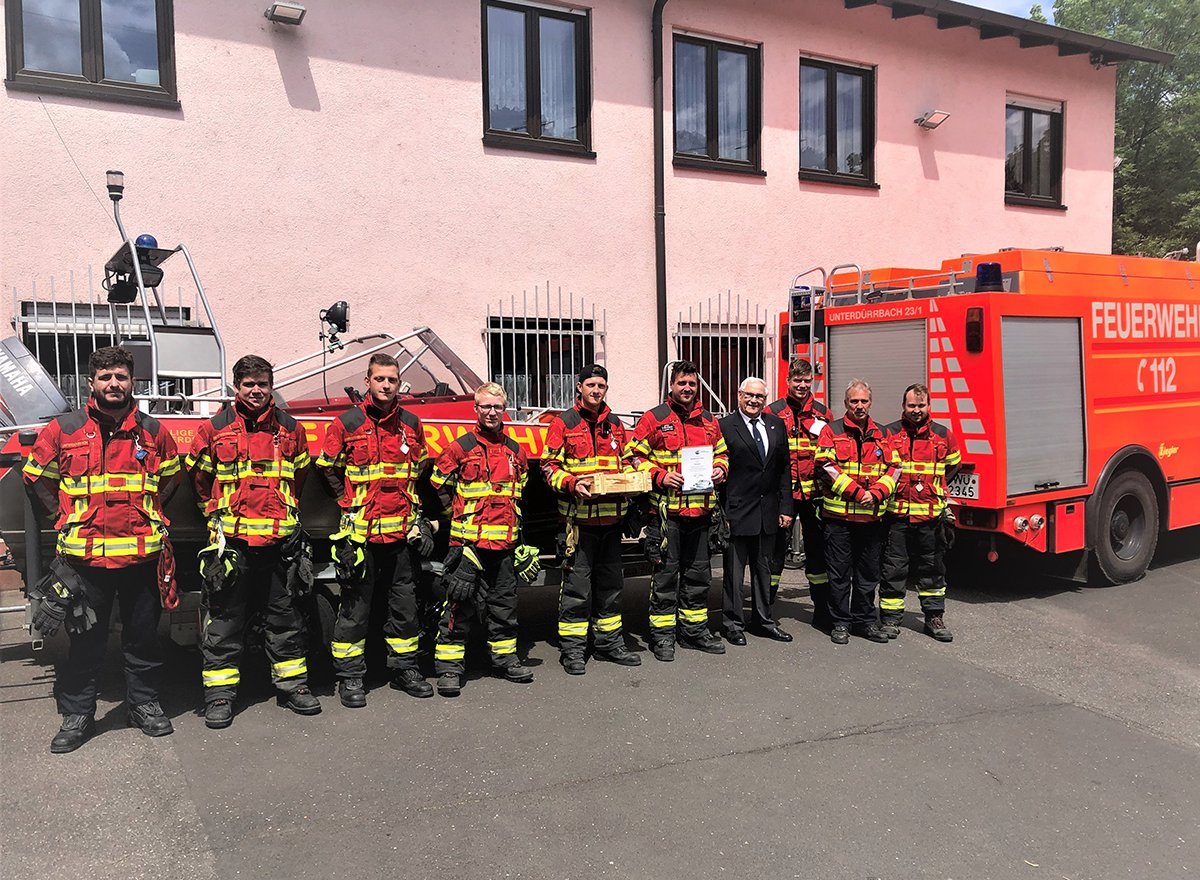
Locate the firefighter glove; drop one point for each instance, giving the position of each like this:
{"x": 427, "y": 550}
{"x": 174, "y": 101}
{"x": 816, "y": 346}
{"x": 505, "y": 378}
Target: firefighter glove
{"x": 465, "y": 579}
{"x": 527, "y": 562}
{"x": 297, "y": 555}
{"x": 634, "y": 520}
{"x": 718, "y": 533}
{"x": 218, "y": 567}
{"x": 60, "y": 599}
{"x": 420, "y": 536}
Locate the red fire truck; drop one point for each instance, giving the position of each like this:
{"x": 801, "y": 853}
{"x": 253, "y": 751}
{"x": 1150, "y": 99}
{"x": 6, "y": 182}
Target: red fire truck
{"x": 1071, "y": 380}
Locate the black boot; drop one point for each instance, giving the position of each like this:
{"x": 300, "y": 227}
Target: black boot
{"x": 620, "y": 655}
{"x": 352, "y": 693}
{"x": 218, "y": 714}
{"x": 150, "y": 718}
{"x": 74, "y": 732}
{"x": 573, "y": 664}
{"x": 301, "y": 701}
{"x": 412, "y": 682}
{"x": 705, "y": 641}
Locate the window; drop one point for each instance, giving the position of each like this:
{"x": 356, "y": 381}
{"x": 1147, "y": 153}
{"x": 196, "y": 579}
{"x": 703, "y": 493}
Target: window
{"x": 537, "y": 92}
{"x": 837, "y": 122}
{"x": 537, "y": 360}
{"x": 717, "y": 105}
{"x": 115, "y": 49}
{"x": 1033, "y": 146}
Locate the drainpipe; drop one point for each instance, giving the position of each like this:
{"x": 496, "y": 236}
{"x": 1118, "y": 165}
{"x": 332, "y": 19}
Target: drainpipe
{"x": 660, "y": 186}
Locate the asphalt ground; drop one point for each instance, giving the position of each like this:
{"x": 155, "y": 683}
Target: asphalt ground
{"x": 1057, "y": 737}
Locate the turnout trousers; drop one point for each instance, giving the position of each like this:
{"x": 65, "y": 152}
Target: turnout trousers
{"x": 679, "y": 587}
{"x": 912, "y": 553}
{"x": 591, "y": 593}
{"x": 496, "y": 602}
{"x": 852, "y": 551}
{"x": 135, "y": 590}
{"x": 260, "y": 584}
{"x": 758, "y": 553}
{"x": 815, "y": 571}
{"x": 391, "y": 568}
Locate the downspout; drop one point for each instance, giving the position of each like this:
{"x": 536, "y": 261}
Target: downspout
{"x": 660, "y": 197}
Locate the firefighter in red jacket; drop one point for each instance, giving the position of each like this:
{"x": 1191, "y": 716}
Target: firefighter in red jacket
{"x": 103, "y": 473}
{"x": 858, "y": 474}
{"x": 913, "y": 550}
{"x": 480, "y": 478}
{"x": 657, "y": 445}
{"x": 804, "y": 417}
{"x": 371, "y": 459}
{"x": 248, "y": 464}
{"x": 585, "y": 440}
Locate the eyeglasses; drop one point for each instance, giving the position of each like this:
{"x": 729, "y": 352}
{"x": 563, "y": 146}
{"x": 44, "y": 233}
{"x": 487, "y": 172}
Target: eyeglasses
{"x": 750, "y": 396}
{"x": 490, "y": 407}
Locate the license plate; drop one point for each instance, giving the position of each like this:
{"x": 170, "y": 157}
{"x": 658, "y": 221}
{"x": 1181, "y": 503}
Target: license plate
{"x": 964, "y": 486}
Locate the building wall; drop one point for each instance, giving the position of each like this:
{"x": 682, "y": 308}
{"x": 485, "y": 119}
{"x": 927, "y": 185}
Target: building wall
{"x": 342, "y": 160}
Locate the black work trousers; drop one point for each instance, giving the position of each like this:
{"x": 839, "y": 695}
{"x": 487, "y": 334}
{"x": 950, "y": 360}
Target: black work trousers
{"x": 912, "y": 553}
{"x": 815, "y": 570}
{"x": 389, "y": 567}
{"x": 756, "y": 552}
{"x": 260, "y": 585}
{"x": 496, "y": 602}
{"x": 591, "y": 592}
{"x": 679, "y": 587}
{"x": 852, "y": 551}
{"x": 135, "y": 590}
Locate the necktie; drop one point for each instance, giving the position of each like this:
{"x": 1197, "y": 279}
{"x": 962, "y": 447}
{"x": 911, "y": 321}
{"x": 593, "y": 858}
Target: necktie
{"x": 762, "y": 447}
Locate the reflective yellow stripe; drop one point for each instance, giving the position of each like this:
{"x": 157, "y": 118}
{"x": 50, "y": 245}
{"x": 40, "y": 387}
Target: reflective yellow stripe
{"x": 932, "y": 592}
{"x": 35, "y": 470}
{"x": 379, "y": 471}
{"x": 503, "y": 646}
{"x": 693, "y": 615}
{"x": 289, "y": 668}
{"x": 71, "y": 544}
{"x": 817, "y": 580}
{"x": 775, "y": 580}
{"x": 220, "y": 677}
{"x": 402, "y": 646}
{"x": 343, "y": 650}
{"x": 608, "y": 624}
{"x": 891, "y": 604}
{"x": 573, "y": 628}
{"x": 449, "y": 652}
{"x": 662, "y": 621}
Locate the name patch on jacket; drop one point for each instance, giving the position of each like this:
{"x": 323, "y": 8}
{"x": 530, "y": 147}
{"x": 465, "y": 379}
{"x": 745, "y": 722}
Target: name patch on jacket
{"x": 667, "y": 428}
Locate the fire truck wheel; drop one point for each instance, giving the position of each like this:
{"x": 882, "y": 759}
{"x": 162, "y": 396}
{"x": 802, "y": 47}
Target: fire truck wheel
{"x": 1128, "y": 528}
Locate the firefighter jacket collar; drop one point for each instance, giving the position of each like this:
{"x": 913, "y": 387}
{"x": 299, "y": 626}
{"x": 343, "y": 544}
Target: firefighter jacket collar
{"x": 870, "y": 431}
{"x": 125, "y": 420}
{"x": 375, "y": 414}
{"x": 920, "y": 432}
{"x": 686, "y": 414}
{"x": 261, "y": 421}
{"x": 800, "y": 408}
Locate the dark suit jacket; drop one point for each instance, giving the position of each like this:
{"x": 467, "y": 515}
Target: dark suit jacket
{"x": 757, "y": 491}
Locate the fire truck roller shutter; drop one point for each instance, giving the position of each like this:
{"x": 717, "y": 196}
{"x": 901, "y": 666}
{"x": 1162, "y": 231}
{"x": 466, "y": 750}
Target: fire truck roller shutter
{"x": 1043, "y": 403}
{"x": 889, "y": 356}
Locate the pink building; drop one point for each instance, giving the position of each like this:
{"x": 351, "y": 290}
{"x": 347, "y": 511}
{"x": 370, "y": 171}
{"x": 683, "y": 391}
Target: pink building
{"x": 441, "y": 162}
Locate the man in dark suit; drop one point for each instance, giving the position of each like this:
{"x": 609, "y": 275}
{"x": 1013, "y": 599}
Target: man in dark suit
{"x": 757, "y": 501}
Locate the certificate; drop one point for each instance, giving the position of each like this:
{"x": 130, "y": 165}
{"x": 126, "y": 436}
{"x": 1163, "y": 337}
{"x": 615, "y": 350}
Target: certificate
{"x": 696, "y": 465}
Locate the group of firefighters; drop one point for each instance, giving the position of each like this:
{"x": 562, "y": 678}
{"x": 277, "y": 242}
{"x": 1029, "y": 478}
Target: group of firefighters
{"x": 865, "y": 497}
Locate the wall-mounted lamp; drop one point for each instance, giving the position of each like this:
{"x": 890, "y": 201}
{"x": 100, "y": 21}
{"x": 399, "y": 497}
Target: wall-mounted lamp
{"x": 116, "y": 184}
{"x": 285, "y": 13}
{"x": 932, "y": 119}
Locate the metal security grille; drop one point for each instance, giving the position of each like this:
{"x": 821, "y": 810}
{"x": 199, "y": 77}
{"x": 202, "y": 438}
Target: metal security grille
{"x": 727, "y": 339}
{"x": 63, "y": 323}
{"x": 1043, "y": 403}
{"x": 889, "y": 357}
{"x": 537, "y": 343}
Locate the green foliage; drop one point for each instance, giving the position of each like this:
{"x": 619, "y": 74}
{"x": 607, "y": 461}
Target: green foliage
{"x": 1157, "y": 190}
{"x": 1036, "y": 13}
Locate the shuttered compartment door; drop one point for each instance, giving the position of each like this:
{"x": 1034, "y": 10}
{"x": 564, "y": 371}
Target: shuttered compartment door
{"x": 1043, "y": 403}
{"x": 888, "y": 357}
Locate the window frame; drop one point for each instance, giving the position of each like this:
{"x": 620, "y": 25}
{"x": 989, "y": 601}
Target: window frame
{"x": 712, "y": 161}
{"x": 1025, "y": 198}
{"x": 582, "y": 20}
{"x": 832, "y": 69}
{"x": 90, "y": 83}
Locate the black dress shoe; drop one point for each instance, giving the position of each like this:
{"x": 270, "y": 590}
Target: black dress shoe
{"x": 150, "y": 718}
{"x": 735, "y": 637}
{"x": 75, "y": 731}
{"x": 218, "y": 714}
{"x": 301, "y": 701}
{"x": 772, "y": 632}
